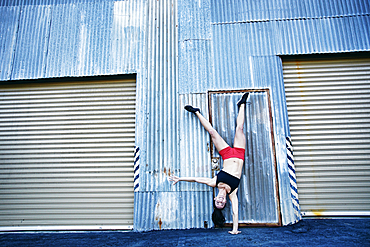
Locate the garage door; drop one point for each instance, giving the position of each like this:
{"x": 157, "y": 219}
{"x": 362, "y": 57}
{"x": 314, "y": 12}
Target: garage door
{"x": 329, "y": 117}
{"x": 66, "y": 157}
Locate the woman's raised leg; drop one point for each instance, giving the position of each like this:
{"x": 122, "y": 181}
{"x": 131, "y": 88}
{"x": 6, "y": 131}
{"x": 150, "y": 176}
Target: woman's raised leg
{"x": 240, "y": 140}
{"x": 217, "y": 140}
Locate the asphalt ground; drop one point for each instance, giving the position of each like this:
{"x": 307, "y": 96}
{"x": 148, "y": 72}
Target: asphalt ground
{"x": 308, "y": 232}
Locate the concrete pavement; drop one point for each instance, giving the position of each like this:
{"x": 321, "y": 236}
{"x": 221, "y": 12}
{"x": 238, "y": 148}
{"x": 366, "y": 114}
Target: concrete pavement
{"x": 308, "y": 232}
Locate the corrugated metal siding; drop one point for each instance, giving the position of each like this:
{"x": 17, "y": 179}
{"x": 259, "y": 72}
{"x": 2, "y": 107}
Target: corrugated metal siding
{"x": 257, "y": 194}
{"x": 328, "y": 104}
{"x": 160, "y": 116}
{"x": 85, "y": 48}
{"x": 128, "y": 36}
{"x": 9, "y": 18}
{"x": 307, "y": 36}
{"x": 292, "y": 27}
{"x": 225, "y": 11}
{"x": 185, "y": 205}
{"x": 324, "y": 35}
{"x": 67, "y": 155}
{"x": 168, "y": 210}
{"x": 195, "y": 46}
{"x": 195, "y": 159}
{"x": 161, "y": 96}
{"x": 32, "y": 42}
{"x": 99, "y": 38}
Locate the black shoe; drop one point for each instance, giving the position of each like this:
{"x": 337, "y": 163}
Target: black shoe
{"x": 243, "y": 100}
{"x": 191, "y": 109}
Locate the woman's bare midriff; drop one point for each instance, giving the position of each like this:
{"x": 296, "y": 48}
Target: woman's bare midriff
{"x": 233, "y": 166}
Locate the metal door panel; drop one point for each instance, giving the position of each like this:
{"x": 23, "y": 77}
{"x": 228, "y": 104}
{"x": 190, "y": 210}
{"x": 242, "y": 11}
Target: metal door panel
{"x": 258, "y": 191}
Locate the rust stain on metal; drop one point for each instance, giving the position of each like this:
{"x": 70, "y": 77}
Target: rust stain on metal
{"x": 167, "y": 172}
{"x": 160, "y": 223}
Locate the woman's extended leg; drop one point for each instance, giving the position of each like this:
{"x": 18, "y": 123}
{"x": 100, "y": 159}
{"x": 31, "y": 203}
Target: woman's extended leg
{"x": 217, "y": 140}
{"x": 240, "y": 140}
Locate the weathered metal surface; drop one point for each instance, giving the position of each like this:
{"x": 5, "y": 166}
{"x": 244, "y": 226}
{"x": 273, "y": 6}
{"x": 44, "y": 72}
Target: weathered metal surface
{"x": 225, "y": 11}
{"x": 258, "y": 191}
{"x": 173, "y": 210}
{"x": 177, "y": 49}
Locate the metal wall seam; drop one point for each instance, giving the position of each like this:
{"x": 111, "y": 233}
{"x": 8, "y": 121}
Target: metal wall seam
{"x": 194, "y": 20}
{"x": 224, "y": 11}
{"x": 195, "y": 46}
{"x": 297, "y": 36}
{"x": 345, "y": 34}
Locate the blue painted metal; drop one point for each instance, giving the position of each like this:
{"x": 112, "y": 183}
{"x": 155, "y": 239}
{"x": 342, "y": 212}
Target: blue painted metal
{"x": 224, "y": 11}
{"x": 293, "y": 179}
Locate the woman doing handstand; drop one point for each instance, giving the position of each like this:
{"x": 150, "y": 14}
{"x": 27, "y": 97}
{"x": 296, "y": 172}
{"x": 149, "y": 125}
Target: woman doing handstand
{"x": 227, "y": 180}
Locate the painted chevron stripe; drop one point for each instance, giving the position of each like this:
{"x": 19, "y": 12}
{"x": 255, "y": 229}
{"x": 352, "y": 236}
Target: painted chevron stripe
{"x": 293, "y": 180}
{"x": 136, "y": 168}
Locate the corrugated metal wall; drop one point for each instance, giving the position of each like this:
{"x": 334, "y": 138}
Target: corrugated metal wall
{"x": 179, "y": 49}
{"x": 99, "y": 38}
{"x": 225, "y": 11}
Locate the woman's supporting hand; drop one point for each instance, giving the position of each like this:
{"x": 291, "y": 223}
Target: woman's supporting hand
{"x": 234, "y": 232}
{"x": 174, "y": 179}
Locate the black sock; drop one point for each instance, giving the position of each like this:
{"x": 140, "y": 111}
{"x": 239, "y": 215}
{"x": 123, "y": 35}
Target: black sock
{"x": 191, "y": 109}
{"x": 243, "y": 100}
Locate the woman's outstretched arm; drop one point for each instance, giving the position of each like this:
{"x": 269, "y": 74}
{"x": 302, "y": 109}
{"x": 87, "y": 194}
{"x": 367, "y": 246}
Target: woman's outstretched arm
{"x": 208, "y": 181}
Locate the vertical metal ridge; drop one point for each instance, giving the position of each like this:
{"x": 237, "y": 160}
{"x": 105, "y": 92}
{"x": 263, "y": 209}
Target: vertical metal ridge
{"x": 163, "y": 99}
{"x": 8, "y": 28}
{"x": 32, "y": 41}
{"x": 194, "y": 144}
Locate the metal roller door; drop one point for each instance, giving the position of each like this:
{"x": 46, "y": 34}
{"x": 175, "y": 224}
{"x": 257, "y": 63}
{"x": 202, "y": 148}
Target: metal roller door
{"x": 329, "y": 116}
{"x": 66, "y": 157}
